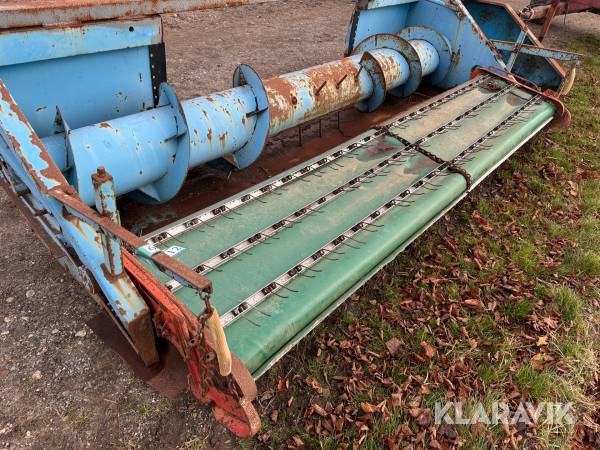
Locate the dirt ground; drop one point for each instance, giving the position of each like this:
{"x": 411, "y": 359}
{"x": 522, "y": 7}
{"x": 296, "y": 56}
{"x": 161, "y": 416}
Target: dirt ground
{"x": 60, "y": 385}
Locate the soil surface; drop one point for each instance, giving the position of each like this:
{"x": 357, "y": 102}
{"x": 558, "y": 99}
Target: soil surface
{"x": 60, "y": 385}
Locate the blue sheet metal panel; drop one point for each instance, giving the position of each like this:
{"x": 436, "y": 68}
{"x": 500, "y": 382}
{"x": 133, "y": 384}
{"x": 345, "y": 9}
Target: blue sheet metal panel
{"x": 470, "y": 47}
{"x": 497, "y": 23}
{"x": 390, "y": 19}
{"x": 88, "y": 89}
{"x": 19, "y": 47}
{"x": 93, "y": 73}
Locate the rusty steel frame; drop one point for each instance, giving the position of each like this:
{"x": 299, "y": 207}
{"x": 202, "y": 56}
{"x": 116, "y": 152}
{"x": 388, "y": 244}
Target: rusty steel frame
{"x": 63, "y": 12}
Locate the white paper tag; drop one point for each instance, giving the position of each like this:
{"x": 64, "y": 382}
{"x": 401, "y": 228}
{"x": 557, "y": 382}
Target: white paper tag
{"x": 172, "y": 251}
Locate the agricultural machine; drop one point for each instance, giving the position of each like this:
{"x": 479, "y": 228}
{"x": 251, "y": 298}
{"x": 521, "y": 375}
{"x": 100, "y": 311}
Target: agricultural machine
{"x": 544, "y": 11}
{"x": 102, "y": 157}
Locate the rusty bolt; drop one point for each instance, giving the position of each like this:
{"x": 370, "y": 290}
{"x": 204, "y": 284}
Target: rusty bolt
{"x": 70, "y": 190}
{"x": 101, "y": 171}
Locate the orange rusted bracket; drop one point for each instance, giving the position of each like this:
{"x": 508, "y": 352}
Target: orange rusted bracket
{"x": 229, "y": 396}
{"x": 562, "y": 116}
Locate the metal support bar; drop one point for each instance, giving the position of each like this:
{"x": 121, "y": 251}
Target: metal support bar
{"x": 534, "y": 50}
{"x": 106, "y": 204}
{"x": 516, "y": 50}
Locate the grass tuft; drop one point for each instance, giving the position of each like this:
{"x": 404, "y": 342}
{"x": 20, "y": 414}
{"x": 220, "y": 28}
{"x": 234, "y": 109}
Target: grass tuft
{"x": 569, "y": 303}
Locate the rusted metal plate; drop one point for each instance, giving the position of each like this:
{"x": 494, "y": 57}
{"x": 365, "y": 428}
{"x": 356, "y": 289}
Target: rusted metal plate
{"x": 58, "y": 12}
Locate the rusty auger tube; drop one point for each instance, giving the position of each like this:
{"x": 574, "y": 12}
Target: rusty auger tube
{"x": 149, "y": 153}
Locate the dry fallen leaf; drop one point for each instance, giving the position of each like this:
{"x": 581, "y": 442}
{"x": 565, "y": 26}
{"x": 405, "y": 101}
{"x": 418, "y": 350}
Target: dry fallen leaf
{"x": 542, "y": 340}
{"x": 473, "y": 303}
{"x": 393, "y": 346}
{"x": 368, "y": 408}
{"x": 283, "y": 384}
{"x": 428, "y": 349}
{"x": 319, "y": 410}
{"x": 396, "y": 399}
{"x": 299, "y": 442}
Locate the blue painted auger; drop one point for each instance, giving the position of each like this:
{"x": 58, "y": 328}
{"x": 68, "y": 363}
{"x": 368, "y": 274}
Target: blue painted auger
{"x": 149, "y": 153}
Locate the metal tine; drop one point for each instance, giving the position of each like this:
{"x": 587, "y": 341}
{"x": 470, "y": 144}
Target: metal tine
{"x": 378, "y": 174}
{"x": 398, "y": 163}
{"x": 283, "y": 286}
{"x": 338, "y": 164}
{"x": 310, "y": 269}
{"x": 215, "y": 269}
{"x": 257, "y": 199}
{"x": 329, "y": 259}
{"x": 355, "y": 240}
{"x": 351, "y": 246}
{"x": 363, "y": 228}
{"x": 366, "y": 224}
{"x": 313, "y": 210}
{"x": 233, "y": 211}
{"x": 307, "y": 276}
{"x": 225, "y": 216}
{"x": 262, "y": 312}
{"x": 243, "y": 316}
{"x": 173, "y": 237}
{"x": 285, "y": 297}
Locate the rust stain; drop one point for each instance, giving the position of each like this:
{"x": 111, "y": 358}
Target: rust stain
{"x": 322, "y": 83}
{"x": 51, "y": 171}
{"x": 280, "y": 92}
{"x": 66, "y": 13}
{"x": 105, "y": 125}
{"x": 389, "y": 66}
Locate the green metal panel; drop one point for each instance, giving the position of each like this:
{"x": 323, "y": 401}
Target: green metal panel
{"x": 265, "y": 332}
